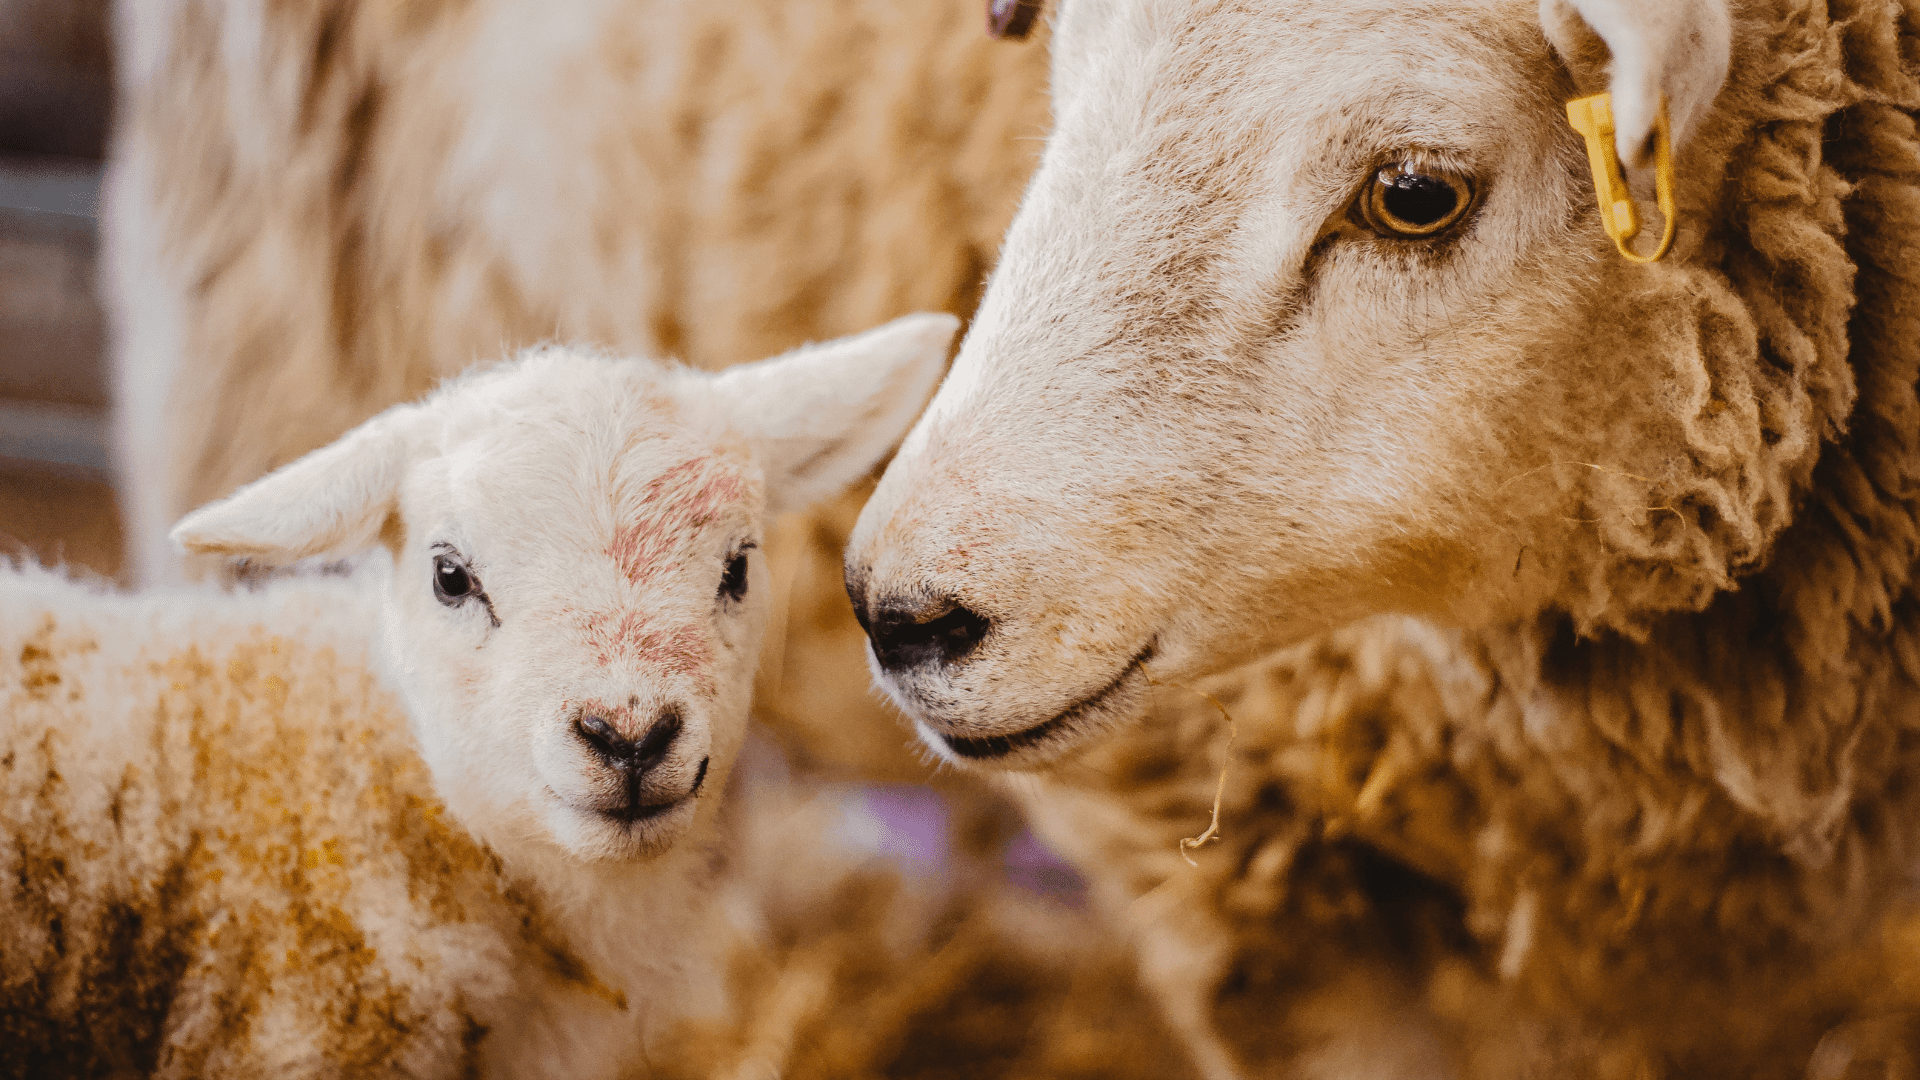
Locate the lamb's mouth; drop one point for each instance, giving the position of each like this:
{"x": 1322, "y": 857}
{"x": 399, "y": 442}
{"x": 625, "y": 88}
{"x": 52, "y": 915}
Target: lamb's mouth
{"x": 990, "y": 747}
{"x": 633, "y": 811}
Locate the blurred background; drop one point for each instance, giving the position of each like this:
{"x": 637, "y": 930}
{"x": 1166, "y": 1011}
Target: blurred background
{"x": 56, "y": 497}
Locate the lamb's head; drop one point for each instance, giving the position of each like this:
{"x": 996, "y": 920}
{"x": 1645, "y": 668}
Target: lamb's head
{"x": 1307, "y": 316}
{"x": 576, "y": 599}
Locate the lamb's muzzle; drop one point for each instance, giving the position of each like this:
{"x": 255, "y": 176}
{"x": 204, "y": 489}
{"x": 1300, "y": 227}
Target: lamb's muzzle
{"x": 631, "y": 767}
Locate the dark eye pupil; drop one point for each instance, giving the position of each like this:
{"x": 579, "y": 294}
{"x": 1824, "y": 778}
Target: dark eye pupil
{"x": 451, "y": 579}
{"x": 1419, "y": 200}
{"x": 733, "y": 583}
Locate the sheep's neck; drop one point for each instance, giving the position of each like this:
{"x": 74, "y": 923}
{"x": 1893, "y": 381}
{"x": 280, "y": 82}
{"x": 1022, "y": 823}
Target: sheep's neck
{"x": 1795, "y": 695}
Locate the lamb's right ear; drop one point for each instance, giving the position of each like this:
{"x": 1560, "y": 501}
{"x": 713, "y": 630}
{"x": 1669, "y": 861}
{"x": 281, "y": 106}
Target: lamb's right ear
{"x": 334, "y": 500}
{"x": 823, "y": 416}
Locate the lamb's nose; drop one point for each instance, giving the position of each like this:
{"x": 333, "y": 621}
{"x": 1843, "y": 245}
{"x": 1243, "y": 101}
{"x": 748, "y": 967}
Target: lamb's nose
{"x": 631, "y": 755}
{"x": 938, "y": 632}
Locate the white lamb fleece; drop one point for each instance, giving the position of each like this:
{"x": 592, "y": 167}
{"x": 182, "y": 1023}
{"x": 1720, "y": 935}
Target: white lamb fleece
{"x": 412, "y": 822}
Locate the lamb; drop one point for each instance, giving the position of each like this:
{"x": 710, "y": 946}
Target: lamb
{"x": 1561, "y": 611}
{"x": 455, "y": 816}
{"x": 717, "y": 182}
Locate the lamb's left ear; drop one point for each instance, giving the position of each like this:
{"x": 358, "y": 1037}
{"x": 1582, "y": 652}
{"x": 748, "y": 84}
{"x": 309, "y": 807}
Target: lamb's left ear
{"x": 1679, "y": 48}
{"x": 823, "y": 416}
{"x": 333, "y": 501}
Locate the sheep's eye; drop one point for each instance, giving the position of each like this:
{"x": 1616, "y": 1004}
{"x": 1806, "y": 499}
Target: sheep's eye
{"x": 1413, "y": 201}
{"x": 452, "y": 582}
{"x": 733, "y": 583}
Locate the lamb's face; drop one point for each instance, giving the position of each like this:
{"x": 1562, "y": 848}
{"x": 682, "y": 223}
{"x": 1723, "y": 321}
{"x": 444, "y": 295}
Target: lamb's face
{"x": 1296, "y": 324}
{"x": 576, "y": 597}
{"x": 575, "y": 609}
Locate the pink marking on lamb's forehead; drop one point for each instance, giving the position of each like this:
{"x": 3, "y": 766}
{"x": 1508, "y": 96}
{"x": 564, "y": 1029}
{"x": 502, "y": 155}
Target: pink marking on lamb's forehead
{"x": 697, "y": 489}
{"x": 680, "y": 501}
{"x": 630, "y": 638}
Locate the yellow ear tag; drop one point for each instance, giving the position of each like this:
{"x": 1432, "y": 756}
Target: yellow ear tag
{"x": 1592, "y": 117}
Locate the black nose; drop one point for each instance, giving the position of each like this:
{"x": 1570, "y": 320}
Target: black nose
{"x": 907, "y": 635}
{"x": 630, "y": 755}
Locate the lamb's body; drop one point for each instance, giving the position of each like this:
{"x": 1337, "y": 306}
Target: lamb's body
{"x": 226, "y": 858}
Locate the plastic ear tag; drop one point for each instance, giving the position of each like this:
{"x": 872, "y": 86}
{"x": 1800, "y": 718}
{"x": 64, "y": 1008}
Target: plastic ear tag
{"x": 1592, "y": 117}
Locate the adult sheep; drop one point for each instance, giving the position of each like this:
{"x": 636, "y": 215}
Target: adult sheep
{"x": 315, "y": 211}
{"x": 227, "y": 853}
{"x": 1590, "y": 747}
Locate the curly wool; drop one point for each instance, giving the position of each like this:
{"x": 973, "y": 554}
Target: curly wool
{"x": 1662, "y": 832}
{"x": 1750, "y": 327}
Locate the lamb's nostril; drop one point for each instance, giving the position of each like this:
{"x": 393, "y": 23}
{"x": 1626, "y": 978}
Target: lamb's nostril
{"x": 940, "y": 633}
{"x": 600, "y": 735}
{"x": 658, "y": 739}
{"x": 622, "y": 753}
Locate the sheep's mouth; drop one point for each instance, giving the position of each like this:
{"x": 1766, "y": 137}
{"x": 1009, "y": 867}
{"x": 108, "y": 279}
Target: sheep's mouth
{"x": 632, "y": 811}
{"x": 1056, "y": 731}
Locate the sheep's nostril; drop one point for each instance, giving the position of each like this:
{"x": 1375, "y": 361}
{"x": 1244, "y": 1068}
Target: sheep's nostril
{"x": 938, "y": 633}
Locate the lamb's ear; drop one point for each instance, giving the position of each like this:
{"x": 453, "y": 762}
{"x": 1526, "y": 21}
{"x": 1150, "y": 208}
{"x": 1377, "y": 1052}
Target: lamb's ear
{"x": 334, "y": 500}
{"x": 1679, "y": 48}
{"x": 823, "y": 416}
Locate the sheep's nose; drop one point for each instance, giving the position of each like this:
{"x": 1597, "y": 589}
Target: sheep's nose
{"x": 907, "y": 635}
{"x": 630, "y": 755}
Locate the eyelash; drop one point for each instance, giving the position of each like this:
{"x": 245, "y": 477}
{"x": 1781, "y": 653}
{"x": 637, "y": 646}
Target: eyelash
{"x": 730, "y": 589}
{"x": 448, "y": 562}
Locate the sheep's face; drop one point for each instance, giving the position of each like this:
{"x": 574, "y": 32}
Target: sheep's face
{"x": 1296, "y": 324}
{"x": 576, "y": 605}
{"x": 576, "y": 596}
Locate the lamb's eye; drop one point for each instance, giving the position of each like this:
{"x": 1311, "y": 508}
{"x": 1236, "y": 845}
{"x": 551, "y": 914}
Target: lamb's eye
{"x": 1413, "y": 201}
{"x": 733, "y": 583}
{"x": 452, "y": 582}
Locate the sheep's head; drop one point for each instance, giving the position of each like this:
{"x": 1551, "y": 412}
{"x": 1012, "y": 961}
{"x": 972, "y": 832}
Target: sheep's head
{"x": 576, "y": 598}
{"x": 1307, "y": 316}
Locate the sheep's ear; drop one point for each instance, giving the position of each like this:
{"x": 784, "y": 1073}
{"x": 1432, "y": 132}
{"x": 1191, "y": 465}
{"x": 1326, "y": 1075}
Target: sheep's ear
{"x": 821, "y": 417}
{"x": 334, "y": 500}
{"x": 1679, "y": 48}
